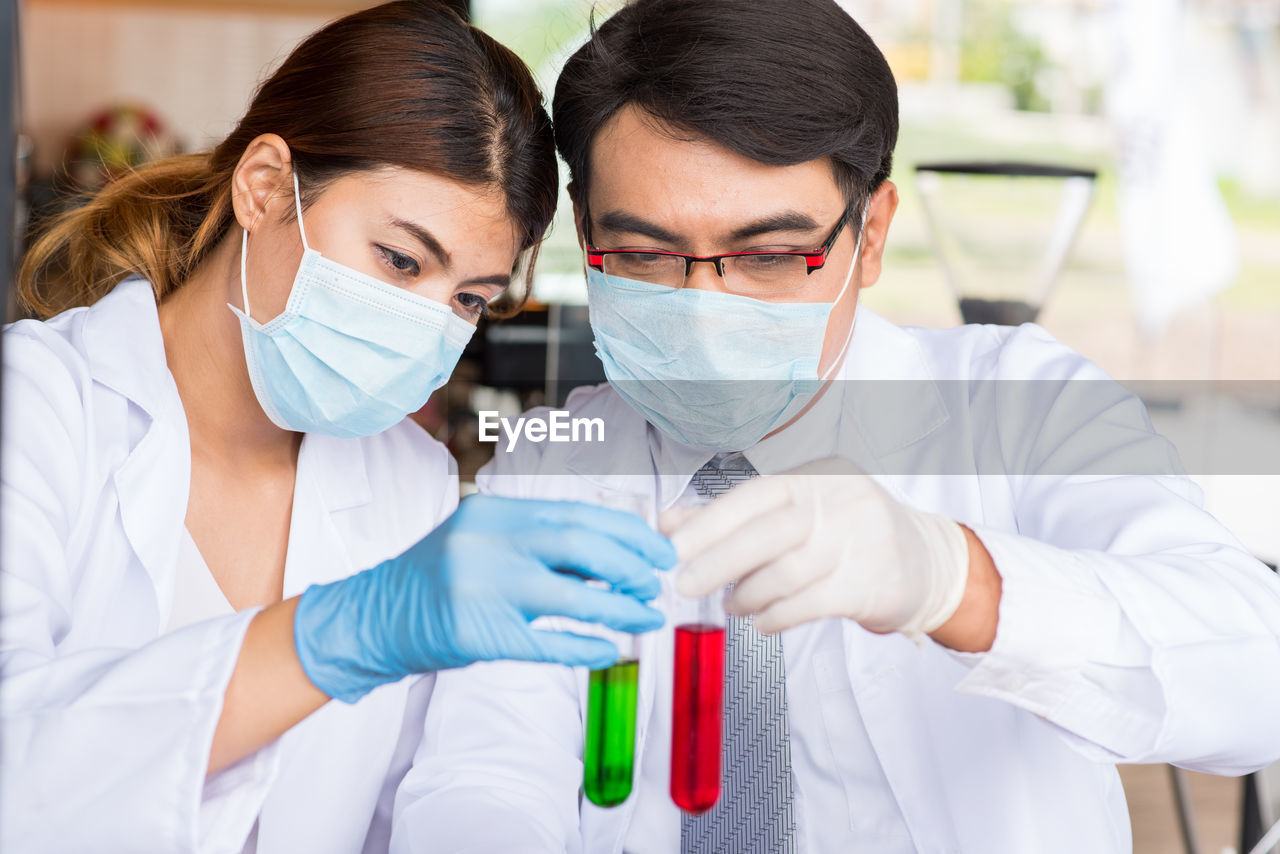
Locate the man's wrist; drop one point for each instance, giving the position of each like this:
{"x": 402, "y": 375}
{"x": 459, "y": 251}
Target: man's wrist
{"x": 972, "y": 628}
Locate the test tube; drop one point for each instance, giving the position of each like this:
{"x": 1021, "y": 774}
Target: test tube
{"x": 697, "y": 703}
{"x": 610, "y": 744}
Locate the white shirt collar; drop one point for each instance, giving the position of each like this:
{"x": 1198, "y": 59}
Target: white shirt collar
{"x": 878, "y": 351}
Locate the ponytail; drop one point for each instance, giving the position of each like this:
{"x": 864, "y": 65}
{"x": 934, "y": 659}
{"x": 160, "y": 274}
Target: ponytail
{"x": 158, "y": 221}
{"x": 405, "y": 84}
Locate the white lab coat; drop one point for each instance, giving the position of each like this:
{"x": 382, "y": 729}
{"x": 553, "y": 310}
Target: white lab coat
{"x": 1132, "y": 629}
{"x": 107, "y": 721}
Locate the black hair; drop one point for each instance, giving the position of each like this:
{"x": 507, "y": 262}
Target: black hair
{"x": 779, "y": 81}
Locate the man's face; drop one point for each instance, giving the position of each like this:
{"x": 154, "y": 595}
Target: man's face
{"x": 652, "y": 189}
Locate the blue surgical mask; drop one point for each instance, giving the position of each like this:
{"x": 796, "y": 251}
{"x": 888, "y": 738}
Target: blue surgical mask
{"x": 710, "y": 369}
{"x": 350, "y": 355}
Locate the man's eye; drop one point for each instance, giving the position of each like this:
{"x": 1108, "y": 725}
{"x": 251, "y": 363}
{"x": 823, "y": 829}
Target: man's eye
{"x": 765, "y": 263}
{"x": 399, "y": 262}
{"x": 641, "y": 261}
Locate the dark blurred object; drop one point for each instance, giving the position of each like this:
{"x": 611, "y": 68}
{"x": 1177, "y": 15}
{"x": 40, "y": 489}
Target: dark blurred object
{"x": 114, "y": 140}
{"x": 8, "y": 145}
{"x": 462, "y": 7}
{"x": 1002, "y": 312}
{"x": 1002, "y": 264}
{"x": 533, "y": 359}
{"x": 547, "y": 349}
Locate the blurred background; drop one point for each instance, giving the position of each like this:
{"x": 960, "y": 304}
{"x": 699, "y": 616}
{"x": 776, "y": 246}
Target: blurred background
{"x": 1108, "y": 167}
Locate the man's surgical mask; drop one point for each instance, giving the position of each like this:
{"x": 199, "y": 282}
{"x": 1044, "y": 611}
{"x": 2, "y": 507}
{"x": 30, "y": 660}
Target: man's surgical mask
{"x": 710, "y": 369}
{"x": 350, "y": 355}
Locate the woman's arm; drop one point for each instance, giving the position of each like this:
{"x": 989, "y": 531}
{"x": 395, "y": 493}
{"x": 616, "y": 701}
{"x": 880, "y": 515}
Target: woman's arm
{"x": 269, "y": 692}
{"x": 464, "y": 593}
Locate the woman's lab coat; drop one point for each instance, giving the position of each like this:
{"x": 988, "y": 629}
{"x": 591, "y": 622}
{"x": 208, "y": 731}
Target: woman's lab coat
{"x": 1132, "y": 626}
{"x": 106, "y": 721}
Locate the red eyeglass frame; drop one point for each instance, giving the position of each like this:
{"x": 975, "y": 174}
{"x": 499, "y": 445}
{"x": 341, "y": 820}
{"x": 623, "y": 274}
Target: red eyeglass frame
{"x": 814, "y": 259}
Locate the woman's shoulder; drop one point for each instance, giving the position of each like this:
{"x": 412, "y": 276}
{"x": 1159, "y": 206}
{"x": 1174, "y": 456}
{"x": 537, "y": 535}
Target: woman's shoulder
{"x": 47, "y": 373}
{"x": 48, "y": 411}
{"x": 87, "y": 363}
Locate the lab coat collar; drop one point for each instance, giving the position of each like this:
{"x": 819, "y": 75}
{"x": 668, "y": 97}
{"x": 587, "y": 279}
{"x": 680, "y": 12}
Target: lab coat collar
{"x": 341, "y": 475}
{"x": 884, "y": 365}
{"x": 126, "y": 350}
{"x": 126, "y": 354}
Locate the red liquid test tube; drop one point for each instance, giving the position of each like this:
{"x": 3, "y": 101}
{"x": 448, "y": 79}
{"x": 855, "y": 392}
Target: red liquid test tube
{"x": 697, "y": 716}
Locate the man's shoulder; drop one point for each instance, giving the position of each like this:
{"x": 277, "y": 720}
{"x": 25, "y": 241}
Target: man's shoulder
{"x": 985, "y": 351}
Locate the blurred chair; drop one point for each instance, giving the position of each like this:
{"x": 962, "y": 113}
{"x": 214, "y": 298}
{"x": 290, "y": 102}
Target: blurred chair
{"x": 1002, "y": 232}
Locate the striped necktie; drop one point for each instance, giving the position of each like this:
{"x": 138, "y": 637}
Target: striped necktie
{"x": 754, "y": 814}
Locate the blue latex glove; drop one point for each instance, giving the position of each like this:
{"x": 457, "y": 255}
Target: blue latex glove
{"x": 468, "y": 590}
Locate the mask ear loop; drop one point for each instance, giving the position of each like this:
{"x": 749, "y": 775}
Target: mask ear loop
{"x": 244, "y": 282}
{"x": 857, "y": 256}
{"x": 297, "y": 205}
{"x": 244, "y": 245}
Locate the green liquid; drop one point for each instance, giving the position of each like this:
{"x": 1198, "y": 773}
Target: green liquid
{"x": 610, "y": 750}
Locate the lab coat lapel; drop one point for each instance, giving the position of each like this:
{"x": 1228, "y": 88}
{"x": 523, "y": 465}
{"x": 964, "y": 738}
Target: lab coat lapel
{"x": 331, "y": 480}
{"x": 892, "y": 406}
{"x": 900, "y": 731}
{"x": 126, "y": 354}
{"x": 890, "y": 401}
{"x": 622, "y": 463}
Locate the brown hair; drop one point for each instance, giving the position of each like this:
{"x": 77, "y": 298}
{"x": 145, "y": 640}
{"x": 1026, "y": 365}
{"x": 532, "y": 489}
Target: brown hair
{"x": 405, "y": 84}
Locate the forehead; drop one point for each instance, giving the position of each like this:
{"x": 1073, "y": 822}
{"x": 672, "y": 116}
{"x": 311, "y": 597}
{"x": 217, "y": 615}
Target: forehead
{"x": 639, "y": 165}
{"x": 461, "y": 216}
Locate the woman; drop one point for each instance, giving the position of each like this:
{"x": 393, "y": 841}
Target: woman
{"x": 211, "y": 423}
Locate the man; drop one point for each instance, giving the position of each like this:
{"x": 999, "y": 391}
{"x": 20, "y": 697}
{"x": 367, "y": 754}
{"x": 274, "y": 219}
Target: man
{"x": 986, "y": 580}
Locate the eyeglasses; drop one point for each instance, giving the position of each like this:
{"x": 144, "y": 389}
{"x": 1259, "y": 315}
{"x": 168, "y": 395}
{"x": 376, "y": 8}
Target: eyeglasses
{"x": 756, "y": 273}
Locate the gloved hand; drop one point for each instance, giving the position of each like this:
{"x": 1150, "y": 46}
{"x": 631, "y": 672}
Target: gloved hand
{"x": 823, "y": 540}
{"x": 468, "y": 590}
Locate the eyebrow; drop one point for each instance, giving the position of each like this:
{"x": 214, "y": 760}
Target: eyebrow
{"x": 782, "y": 221}
{"x": 500, "y": 281}
{"x": 427, "y": 240}
{"x": 434, "y": 246}
{"x": 627, "y": 223}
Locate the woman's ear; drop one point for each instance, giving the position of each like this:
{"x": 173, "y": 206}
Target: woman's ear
{"x": 263, "y": 169}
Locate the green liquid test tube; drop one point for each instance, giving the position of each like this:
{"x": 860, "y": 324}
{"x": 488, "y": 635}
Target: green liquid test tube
{"x": 610, "y": 749}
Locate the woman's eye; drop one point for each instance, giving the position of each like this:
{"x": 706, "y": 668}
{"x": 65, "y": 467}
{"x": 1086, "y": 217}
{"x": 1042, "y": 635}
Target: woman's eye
{"x": 399, "y": 262}
{"x": 473, "y": 303}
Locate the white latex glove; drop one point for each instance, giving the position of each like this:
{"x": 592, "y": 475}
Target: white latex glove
{"x": 822, "y": 540}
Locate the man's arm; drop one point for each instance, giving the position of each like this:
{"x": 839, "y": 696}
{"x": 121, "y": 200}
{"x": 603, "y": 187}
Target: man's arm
{"x": 972, "y": 628}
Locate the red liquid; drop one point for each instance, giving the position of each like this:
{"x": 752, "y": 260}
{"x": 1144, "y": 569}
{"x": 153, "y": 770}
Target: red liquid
{"x": 696, "y": 717}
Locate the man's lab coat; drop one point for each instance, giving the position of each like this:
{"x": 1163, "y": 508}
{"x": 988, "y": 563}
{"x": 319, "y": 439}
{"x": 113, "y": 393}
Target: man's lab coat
{"x": 1132, "y": 626}
{"x": 106, "y": 721}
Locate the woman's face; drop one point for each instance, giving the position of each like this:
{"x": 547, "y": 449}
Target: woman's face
{"x": 434, "y": 237}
